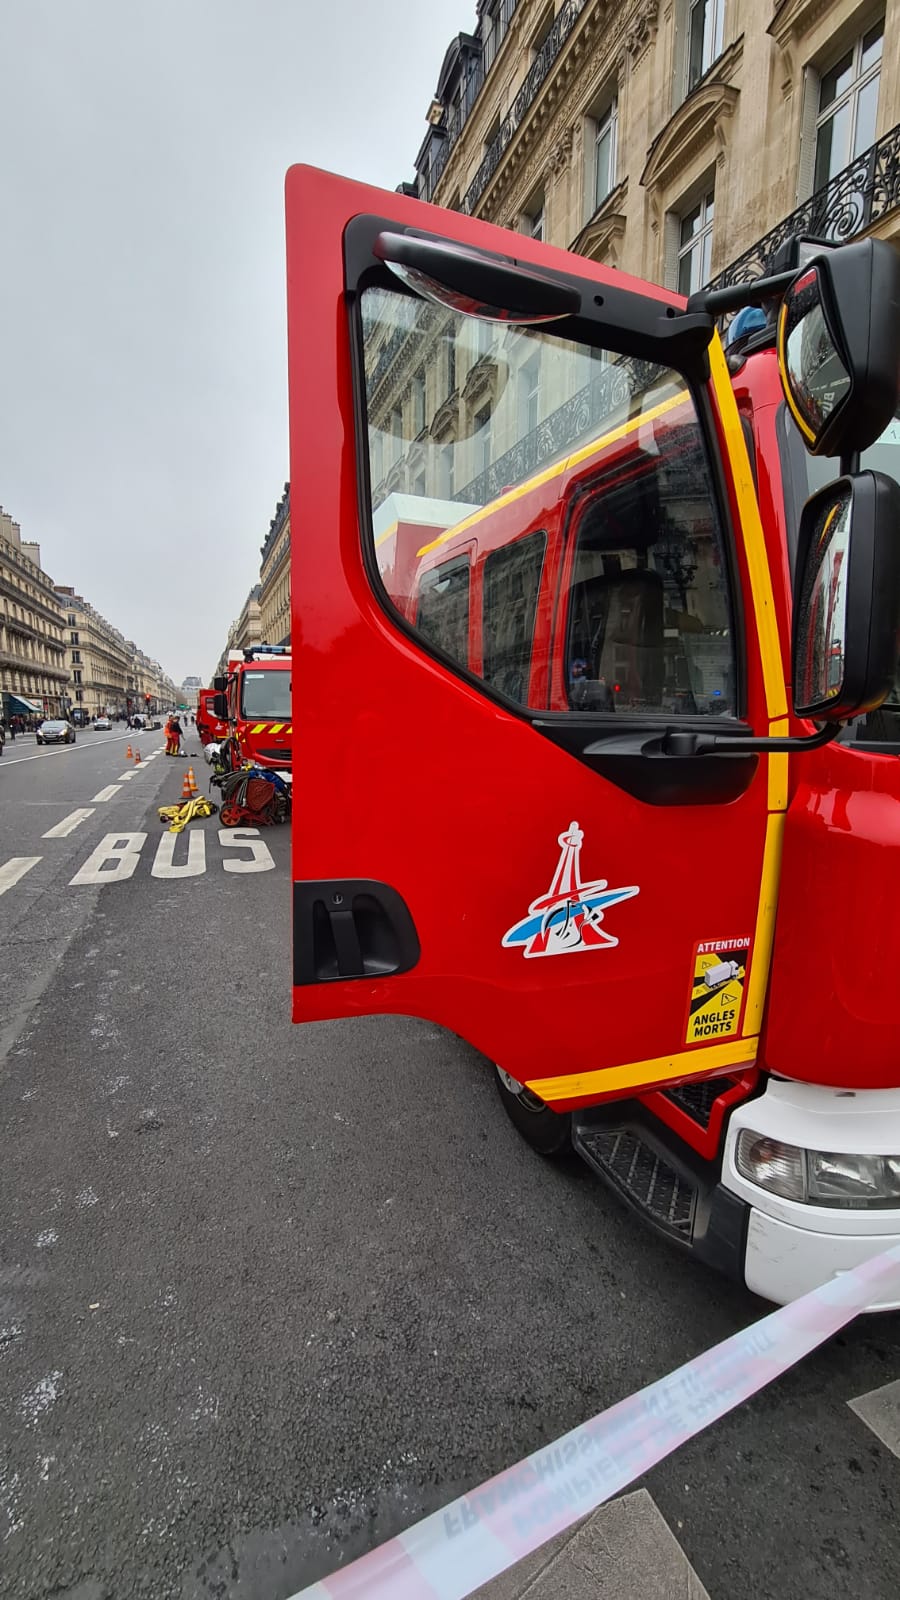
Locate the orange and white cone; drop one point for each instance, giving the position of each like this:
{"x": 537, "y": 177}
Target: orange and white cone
{"x": 186, "y": 793}
{"x": 137, "y": 756}
{"x": 128, "y": 753}
{"x": 193, "y": 782}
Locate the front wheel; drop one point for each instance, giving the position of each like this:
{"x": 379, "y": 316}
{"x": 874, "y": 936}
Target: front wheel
{"x": 548, "y": 1132}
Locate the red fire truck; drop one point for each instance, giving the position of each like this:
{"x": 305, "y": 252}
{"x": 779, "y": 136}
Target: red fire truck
{"x": 254, "y": 699}
{"x": 594, "y": 716}
{"x": 210, "y": 728}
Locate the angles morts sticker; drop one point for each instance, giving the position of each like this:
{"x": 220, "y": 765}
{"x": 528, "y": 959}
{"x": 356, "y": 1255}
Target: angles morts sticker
{"x": 569, "y": 916}
{"x": 718, "y": 971}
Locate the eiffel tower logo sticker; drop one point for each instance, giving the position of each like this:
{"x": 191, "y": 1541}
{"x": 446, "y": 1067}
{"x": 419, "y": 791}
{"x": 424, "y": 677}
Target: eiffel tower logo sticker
{"x": 569, "y": 916}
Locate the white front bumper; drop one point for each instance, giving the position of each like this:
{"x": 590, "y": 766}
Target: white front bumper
{"x": 793, "y": 1247}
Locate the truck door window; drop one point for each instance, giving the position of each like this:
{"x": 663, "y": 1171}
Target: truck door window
{"x": 512, "y": 578}
{"x": 650, "y": 613}
{"x": 442, "y": 611}
{"x": 650, "y": 607}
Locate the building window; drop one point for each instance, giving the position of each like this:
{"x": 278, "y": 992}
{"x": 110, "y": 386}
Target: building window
{"x": 529, "y": 393}
{"x": 76, "y": 656}
{"x": 396, "y": 434}
{"x": 848, "y": 105}
{"x": 534, "y": 219}
{"x": 705, "y": 32}
{"x": 71, "y": 621}
{"x": 448, "y": 472}
{"x": 542, "y": 31}
{"x": 73, "y": 638}
{"x": 695, "y": 246}
{"x": 76, "y": 677}
{"x": 449, "y": 364}
{"x": 481, "y": 440}
{"x": 418, "y": 403}
{"x": 605, "y": 155}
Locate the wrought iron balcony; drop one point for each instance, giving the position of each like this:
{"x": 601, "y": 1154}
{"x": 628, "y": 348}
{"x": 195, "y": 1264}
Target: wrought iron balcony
{"x": 580, "y": 415}
{"x": 846, "y": 206}
{"x": 563, "y": 23}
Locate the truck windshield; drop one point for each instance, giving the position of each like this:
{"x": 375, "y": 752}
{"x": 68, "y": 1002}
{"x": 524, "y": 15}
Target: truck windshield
{"x": 266, "y": 694}
{"x": 812, "y": 473}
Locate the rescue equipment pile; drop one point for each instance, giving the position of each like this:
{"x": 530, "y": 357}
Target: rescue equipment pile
{"x": 252, "y": 798}
{"x": 180, "y": 815}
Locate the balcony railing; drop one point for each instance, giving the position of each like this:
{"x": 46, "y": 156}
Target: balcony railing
{"x": 563, "y": 23}
{"x": 855, "y": 198}
{"x": 571, "y": 422}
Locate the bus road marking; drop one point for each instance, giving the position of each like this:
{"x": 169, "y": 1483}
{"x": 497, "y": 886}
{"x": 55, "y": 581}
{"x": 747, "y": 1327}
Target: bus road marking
{"x": 107, "y": 793}
{"x": 116, "y": 857}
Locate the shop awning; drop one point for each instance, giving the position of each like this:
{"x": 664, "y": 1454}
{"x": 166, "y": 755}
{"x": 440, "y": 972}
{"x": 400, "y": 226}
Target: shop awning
{"x": 24, "y": 708}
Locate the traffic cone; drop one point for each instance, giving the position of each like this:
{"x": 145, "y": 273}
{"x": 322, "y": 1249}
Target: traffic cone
{"x": 128, "y": 753}
{"x": 137, "y": 756}
{"x": 193, "y": 782}
{"x": 186, "y": 792}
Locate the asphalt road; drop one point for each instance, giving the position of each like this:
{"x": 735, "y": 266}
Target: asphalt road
{"x": 267, "y": 1294}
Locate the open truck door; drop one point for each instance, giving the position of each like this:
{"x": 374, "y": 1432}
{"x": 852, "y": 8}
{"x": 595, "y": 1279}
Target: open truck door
{"x": 508, "y": 828}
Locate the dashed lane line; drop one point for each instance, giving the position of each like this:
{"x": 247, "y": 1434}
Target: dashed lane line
{"x": 107, "y": 793}
{"x": 124, "y": 776}
{"x": 16, "y": 868}
{"x": 69, "y": 823}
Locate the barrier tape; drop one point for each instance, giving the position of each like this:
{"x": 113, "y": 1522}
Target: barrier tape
{"x": 451, "y": 1553}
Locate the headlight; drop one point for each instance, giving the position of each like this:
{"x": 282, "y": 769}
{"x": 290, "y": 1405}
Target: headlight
{"x": 818, "y": 1177}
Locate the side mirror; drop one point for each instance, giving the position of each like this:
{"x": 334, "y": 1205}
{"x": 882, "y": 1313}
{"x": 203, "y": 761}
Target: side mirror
{"x": 220, "y": 685}
{"x": 220, "y": 706}
{"x": 846, "y": 631}
{"x": 839, "y": 347}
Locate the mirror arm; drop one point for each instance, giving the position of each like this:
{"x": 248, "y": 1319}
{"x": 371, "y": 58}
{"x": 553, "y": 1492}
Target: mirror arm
{"x": 717, "y": 302}
{"x": 681, "y": 742}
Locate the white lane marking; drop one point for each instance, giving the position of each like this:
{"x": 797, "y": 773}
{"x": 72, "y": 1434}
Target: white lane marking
{"x": 123, "y": 850}
{"x": 14, "y": 869}
{"x": 123, "y": 776}
{"x": 107, "y": 793}
{"x": 164, "y": 863}
{"x": 880, "y": 1411}
{"x": 248, "y": 839}
{"x": 69, "y": 823}
{"x": 58, "y": 750}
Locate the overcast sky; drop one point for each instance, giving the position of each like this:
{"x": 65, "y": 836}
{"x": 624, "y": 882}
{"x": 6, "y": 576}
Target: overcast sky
{"x": 143, "y": 410}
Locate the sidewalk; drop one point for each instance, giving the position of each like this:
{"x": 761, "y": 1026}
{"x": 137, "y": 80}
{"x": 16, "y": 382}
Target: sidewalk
{"x": 624, "y": 1551}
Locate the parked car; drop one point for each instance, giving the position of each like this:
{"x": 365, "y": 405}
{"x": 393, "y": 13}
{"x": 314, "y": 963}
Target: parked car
{"x": 102, "y": 724}
{"x": 55, "y": 732}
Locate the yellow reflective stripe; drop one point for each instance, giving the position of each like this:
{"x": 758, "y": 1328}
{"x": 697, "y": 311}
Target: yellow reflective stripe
{"x": 754, "y": 540}
{"x": 388, "y": 534}
{"x": 554, "y": 472}
{"x": 276, "y": 727}
{"x": 638, "y": 1074}
{"x": 778, "y": 768}
{"x": 289, "y": 729}
{"x": 259, "y": 728}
